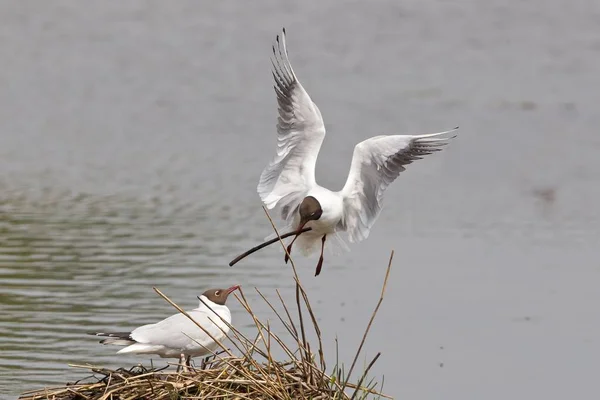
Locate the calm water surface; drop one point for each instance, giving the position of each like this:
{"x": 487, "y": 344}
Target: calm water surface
{"x": 132, "y": 137}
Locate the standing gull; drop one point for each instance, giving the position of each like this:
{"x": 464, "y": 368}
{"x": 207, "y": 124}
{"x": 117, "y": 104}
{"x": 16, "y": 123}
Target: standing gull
{"x": 177, "y": 336}
{"x": 288, "y": 183}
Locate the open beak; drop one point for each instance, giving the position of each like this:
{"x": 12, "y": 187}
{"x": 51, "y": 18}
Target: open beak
{"x": 232, "y": 289}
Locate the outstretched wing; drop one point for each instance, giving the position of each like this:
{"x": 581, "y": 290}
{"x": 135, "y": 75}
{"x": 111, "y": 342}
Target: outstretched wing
{"x": 376, "y": 163}
{"x": 300, "y": 132}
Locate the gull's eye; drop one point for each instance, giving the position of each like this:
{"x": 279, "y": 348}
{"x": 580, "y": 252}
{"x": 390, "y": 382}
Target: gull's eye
{"x": 218, "y": 292}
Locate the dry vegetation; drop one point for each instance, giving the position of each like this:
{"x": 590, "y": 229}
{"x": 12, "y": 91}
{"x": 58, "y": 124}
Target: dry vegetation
{"x": 254, "y": 374}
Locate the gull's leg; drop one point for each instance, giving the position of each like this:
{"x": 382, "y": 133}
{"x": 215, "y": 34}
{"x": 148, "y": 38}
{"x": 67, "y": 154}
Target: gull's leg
{"x": 289, "y": 248}
{"x": 185, "y": 360}
{"x": 188, "y": 363}
{"x": 320, "y": 263}
{"x": 180, "y": 361}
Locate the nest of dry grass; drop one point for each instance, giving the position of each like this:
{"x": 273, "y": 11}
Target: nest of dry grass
{"x": 254, "y": 374}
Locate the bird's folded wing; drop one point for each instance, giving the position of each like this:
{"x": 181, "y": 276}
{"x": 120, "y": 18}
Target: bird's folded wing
{"x": 178, "y": 331}
{"x": 300, "y": 132}
{"x": 376, "y": 163}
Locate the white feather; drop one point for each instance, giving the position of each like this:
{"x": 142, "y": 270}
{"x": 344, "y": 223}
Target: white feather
{"x": 376, "y": 163}
{"x": 178, "y": 335}
{"x": 300, "y": 132}
{"x": 290, "y": 176}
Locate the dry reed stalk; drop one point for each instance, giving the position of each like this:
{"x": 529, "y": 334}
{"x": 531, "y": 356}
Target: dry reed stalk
{"x": 303, "y": 375}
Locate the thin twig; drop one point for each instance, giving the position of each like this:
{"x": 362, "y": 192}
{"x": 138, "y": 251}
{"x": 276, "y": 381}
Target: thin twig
{"x": 364, "y": 375}
{"x": 364, "y": 338}
{"x": 300, "y": 289}
{"x": 265, "y": 244}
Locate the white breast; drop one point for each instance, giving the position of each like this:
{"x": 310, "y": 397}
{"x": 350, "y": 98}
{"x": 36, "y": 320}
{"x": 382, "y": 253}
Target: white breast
{"x": 332, "y": 206}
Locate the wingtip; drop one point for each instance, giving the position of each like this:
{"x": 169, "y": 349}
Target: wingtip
{"x": 455, "y": 135}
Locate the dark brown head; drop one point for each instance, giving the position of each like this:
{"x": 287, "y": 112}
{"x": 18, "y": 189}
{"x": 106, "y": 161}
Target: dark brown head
{"x": 219, "y": 296}
{"x": 310, "y": 209}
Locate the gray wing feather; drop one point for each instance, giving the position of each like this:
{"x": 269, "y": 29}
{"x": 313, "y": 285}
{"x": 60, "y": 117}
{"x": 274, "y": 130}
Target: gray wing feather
{"x": 300, "y": 132}
{"x": 376, "y": 163}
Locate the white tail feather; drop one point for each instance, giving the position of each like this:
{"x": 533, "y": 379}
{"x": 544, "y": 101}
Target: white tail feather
{"x": 140, "y": 348}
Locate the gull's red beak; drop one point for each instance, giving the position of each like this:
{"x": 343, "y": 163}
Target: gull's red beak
{"x": 302, "y": 223}
{"x": 301, "y": 226}
{"x": 232, "y": 289}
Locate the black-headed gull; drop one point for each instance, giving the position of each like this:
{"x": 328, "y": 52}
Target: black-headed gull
{"x": 177, "y": 336}
{"x": 288, "y": 183}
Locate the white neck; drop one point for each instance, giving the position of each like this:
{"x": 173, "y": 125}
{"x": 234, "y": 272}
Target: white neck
{"x": 223, "y": 311}
{"x": 204, "y": 302}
